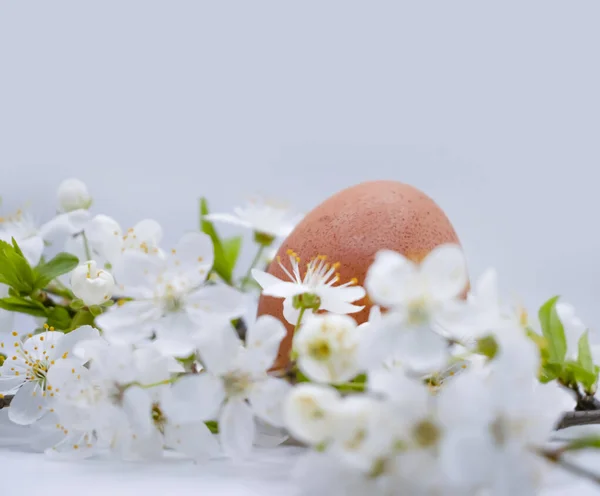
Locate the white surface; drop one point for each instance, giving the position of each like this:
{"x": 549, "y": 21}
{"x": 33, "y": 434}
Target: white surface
{"x": 266, "y": 474}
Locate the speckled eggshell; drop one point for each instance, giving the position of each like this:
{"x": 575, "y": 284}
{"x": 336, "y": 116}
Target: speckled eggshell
{"x": 351, "y": 227}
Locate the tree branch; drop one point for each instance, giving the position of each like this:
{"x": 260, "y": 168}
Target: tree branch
{"x": 5, "y": 401}
{"x": 572, "y": 419}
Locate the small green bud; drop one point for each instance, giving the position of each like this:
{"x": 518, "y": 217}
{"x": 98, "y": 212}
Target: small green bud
{"x": 487, "y": 346}
{"x": 263, "y": 239}
{"x": 77, "y": 304}
{"x": 95, "y": 310}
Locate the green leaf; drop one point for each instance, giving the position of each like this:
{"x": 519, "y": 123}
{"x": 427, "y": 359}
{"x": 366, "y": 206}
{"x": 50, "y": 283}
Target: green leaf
{"x": 582, "y": 443}
{"x": 22, "y": 305}
{"x": 231, "y": 248}
{"x": 549, "y": 372}
{"x": 220, "y": 265}
{"x": 553, "y": 331}
{"x": 15, "y": 270}
{"x": 585, "y": 353}
{"x": 213, "y": 426}
{"x": 574, "y": 372}
{"x": 59, "y": 265}
{"x": 59, "y": 318}
{"x": 16, "y": 247}
{"x": 82, "y": 317}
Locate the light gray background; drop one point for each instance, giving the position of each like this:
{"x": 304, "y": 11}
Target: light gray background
{"x": 492, "y": 108}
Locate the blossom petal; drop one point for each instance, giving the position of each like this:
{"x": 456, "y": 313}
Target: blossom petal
{"x": 263, "y": 339}
{"x": 215, "y": 300}
{"x": 32, "y": 249}
{"x": 272, "y": 286}
{"x": 131, "y": 313}
{"x": 105, "y": 237}
{"x": 380, "y": 340}
{"x": 339, "y": 307}
{"x": 38, "y": 343}
{"x": 148, "y": 231}
{"x": 391, "y": 278}
{"x": 174, "y": 332}
{"x": 76, "y": 445}
{"x": 137, "y": 405}
{"x": 137, "y": 274}
{"x": 192, "y": 257}
{"x": 193, "y": 440}
{"x": 229, "y": 218}
{"x": 64, "y": 373}
{"x": 68, "y": 341}
{"x": 193, "y": 398}
{"x": 446, "y": 271}
{"x": 291, "y": 314}
{"x": 219, "y": 350}
{"x": 335, "y": 299}
{"x": 236, "y": 428}
{"x": 8, "y": 383}
{"x": 307, "y": 412}
{"x": 266, "y": 398}
{"x": 28, "y": 404}
{"x": 151, "y": 365}
{"x": 422, "y": 350}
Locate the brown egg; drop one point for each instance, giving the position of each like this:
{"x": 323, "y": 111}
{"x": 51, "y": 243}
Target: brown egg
{"x": 351, "y": 227}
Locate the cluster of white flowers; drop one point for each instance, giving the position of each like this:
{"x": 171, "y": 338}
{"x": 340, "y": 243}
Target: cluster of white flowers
{"x": 445, "y": 390}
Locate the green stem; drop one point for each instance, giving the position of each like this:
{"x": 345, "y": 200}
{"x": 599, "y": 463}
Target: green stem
{"x": 350, "y": 387}
{"x": 63, "y": 293}
{"x": 299, "y": 321}
{"x": 248, "y": 277}
{"x": 160, "y": 383}
{"x": 82, "y": 317}
{"x": 86, "y": 246}
{"x": 557, "y": 458}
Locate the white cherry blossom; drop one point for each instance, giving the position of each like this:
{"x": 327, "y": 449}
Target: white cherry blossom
{"x": 419, "y": 297}
{"x": 106, "y": 242}
{"x": 27, "y": 365}
{"x": 235, "y": 386}
{"x": 73, "y": 195}
{"x": 309, "y": 412}
{"x": 327, "y": 348}
{"x": 91, "y": 285}
{"x": 317, "y": 285}
{"x": 171, "y": 297}
{"x": 267, "y": 219}
{"x": 31, "y": 237}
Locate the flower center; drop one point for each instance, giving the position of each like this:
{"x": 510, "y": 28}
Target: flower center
{"x": 380, "y": 467}
{"x": 319, "y": 349}
{"x": 307, "y": 300}
{"x": 426, "y": 433}
{"x": 158, "y": 417}
{"x": 418, "y": 312}
{"x": 236, "y": 384}
{"x": 39, "y": 370}
{"x": 172, "y": 300}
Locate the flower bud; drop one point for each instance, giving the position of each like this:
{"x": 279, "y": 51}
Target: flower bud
{"x": 91, "y": 285}
{"x": 73, "y": 195}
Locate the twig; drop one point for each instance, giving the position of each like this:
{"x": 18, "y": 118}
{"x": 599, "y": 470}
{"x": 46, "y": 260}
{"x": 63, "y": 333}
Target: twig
{"x": 572, "y": 419}
{"x": 557, "y": 458}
